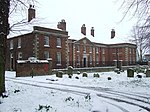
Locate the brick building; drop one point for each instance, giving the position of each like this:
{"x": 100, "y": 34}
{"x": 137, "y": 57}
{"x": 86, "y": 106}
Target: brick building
{"x": 43, "y": 43}
{"x": 84, "y": 53}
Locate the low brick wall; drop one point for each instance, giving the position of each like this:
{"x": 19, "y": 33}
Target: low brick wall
{"x": 26, "y": 68}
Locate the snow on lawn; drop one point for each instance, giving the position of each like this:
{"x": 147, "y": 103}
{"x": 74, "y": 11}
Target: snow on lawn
{"x": 52, "y": 94}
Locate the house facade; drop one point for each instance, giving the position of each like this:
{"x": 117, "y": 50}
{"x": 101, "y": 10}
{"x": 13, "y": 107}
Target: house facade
{"x": 42, "y": 43}
{"x": 84, "y": 53}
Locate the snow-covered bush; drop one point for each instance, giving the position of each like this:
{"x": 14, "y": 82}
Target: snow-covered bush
{"x": 59, "y": 74}
{"x": 78, "y": 72}
{"x": 109, "y": 78}
{"x": 84, "y": 74}
{"x": 96, "y": 75}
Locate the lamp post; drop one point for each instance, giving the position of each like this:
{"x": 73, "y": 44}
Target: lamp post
{"x": 117, "y": 55}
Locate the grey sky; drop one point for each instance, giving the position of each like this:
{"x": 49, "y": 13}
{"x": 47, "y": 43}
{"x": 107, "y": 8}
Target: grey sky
{"x": 103, "y": 15}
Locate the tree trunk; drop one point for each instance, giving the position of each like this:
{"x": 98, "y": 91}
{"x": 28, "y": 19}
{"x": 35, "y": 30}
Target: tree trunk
{"x": 4, "y": 29}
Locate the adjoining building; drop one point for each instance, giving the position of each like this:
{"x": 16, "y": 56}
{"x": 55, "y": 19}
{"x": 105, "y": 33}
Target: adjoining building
{"x": 44, "y": 43}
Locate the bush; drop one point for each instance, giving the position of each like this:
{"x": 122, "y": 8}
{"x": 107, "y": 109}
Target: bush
{"x": 96, "y": 75}
{"x": 78, "y": 72}
{"x": 70, "y": 70}
{"x": 76, "y": 77}
{"x": 59, "y": 74}
{"x": 84, "y": 74}
{"x": 109, "y": 78}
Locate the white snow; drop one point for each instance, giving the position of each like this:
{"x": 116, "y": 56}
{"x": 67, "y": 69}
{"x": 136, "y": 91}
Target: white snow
{"x": 86, "y": 94}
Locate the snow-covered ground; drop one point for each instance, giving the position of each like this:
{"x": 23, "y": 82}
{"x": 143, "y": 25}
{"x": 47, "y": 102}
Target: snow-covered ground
{"x": 86, "y": 94}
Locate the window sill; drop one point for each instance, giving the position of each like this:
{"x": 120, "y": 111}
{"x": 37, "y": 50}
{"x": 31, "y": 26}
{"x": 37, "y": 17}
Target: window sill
{"x": 46, "y": 46}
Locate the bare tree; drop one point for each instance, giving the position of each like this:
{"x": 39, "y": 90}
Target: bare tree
{"x": 139, "y": 9}
{"x": 8, "y": 10}
{"x": 138, "y": 38}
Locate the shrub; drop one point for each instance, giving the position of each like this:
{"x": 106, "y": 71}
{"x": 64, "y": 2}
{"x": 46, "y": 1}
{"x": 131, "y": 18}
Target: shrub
{"x": 77, "y": 77}
{"x": 69, "y": 99}
{"x": 96, "y": 75}
{"x": 109, "y": 78}
{"x": 59, "y": 74}
{"x": 70, "y": 70}
{"x": 78, "y": 72}
{"x": 84, "y": 74}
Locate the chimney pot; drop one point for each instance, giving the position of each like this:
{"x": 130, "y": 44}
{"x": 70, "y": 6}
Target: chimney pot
{"x": 92, "y": 31}
{"x": 31, "y": 13}
{"x": 83, "y": 29}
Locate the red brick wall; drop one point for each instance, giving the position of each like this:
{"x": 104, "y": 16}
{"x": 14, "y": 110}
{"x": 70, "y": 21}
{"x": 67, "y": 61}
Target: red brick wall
{"x": 32, "y": 69}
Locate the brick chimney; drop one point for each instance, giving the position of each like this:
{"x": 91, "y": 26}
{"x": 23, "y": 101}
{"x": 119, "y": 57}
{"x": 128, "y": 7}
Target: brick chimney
{"x": 83, "y": 29}
{"x": 31, "y": 13}
{"x": 62, "y": 25}
{"x": 92, "y": 31}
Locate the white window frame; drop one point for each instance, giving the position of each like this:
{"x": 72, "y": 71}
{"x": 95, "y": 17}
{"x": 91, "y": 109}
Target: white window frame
{"x": 46, "y": 41}
{"x": 11, "y": 44}
{"x": 58, "y": 58}
{"x": 84, "y": 49}
{"x": 78, "y": 48}
{"x": 19, "y": 42}
{"x": 19, "y": 55}
{"x": 91, "y": 49}
{"x": 46, "y": 55}
{"x": 58, "y": 42}
{"x": 91, "y": 59}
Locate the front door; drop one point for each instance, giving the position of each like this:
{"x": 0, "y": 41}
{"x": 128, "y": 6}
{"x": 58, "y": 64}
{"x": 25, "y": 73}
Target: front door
{"x": 84, "y": 62}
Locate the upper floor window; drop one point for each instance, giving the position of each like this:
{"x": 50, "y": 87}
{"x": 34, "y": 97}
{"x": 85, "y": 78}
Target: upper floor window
{"x": 90, "y": 49}
{"x": 78, "y": 48}
{"x": 11, "y": 44}
{"x": 96, "y": 49}
{"x": 103, "y": 51}
{"x": 19, "y": 42}
{"x": 58, "y": 42}
{"x": 84, "y": 49}
{"x": 20, "y": 55}
{"x": 46, "y": 41}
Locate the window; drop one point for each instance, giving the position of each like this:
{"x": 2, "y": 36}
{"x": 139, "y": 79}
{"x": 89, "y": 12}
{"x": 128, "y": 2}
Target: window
{"x": 78, "y": 60}
{"x": 103, "y": 51}
{"x": 78, "y": 48}
{"x": 58, "y": 58}
{"x": 84, "y": 49}
{"x": 46, "y": 55}
{"x": 46, "y": 41}
{"x": 58, "y": 42}
{"x": 19, "y": 42}
{"x": 90, "y": 49}
{"x": 90, "y": 59}
{"x": 96, "y": 49}
{"x": 97, "y": 59}
{"x": 11, "y": 44}
{"x": 20, "y": 55}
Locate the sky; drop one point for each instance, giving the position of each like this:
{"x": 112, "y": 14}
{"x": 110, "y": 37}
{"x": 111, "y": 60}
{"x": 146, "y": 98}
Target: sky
{"x": 102, "y": 15}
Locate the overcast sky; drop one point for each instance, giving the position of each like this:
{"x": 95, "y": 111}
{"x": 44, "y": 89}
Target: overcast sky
{"x": 103, "y": 15}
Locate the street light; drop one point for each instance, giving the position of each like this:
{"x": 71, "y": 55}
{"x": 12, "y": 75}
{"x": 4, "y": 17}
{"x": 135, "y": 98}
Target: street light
{"x": 117, "y": 55}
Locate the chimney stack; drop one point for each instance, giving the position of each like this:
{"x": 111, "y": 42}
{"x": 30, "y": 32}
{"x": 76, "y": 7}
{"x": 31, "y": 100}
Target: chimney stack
{"x": 62, "y": 25}
{"x": 112, "y": 33}
{"x": 31, "y": 13}
{"x": 92, "y": 31}
{"x": 83, "y": 29}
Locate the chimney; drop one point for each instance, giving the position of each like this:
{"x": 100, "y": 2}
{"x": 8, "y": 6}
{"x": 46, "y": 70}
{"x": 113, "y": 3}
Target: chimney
{"x": 112, "y": 33}
{"x": 92, "y": 31}
{"x": 83, "y": 29}
{"x": 62, "y": 25}
{"x": 31, "y": 13}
